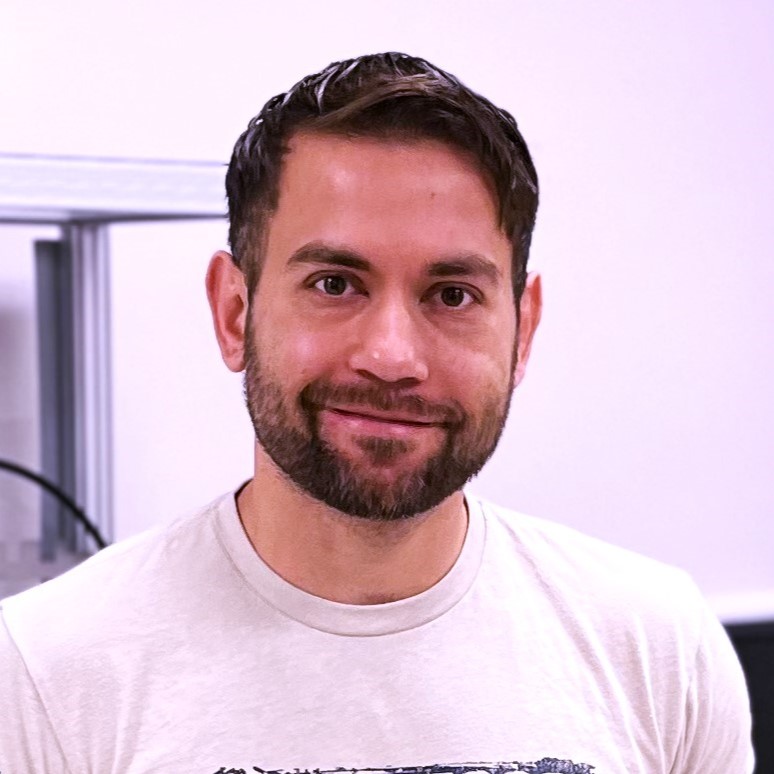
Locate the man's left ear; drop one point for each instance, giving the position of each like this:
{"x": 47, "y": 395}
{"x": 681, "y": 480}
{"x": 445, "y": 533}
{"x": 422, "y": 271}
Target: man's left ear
{"x": 530, "y": 309}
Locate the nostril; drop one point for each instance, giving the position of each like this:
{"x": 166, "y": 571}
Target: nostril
{"x": 401, "y": 383}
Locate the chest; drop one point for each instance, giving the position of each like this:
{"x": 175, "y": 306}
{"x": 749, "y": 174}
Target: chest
{"x": 444, "y": 700}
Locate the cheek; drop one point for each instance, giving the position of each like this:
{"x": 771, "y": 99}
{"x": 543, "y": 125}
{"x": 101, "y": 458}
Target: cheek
{"x": 476, "y": 380}
{"x": 483, "y": 361}
{"x": 300, "y": 354}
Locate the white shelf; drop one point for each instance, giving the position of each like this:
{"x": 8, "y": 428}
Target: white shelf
{"x": 50, "y": 189}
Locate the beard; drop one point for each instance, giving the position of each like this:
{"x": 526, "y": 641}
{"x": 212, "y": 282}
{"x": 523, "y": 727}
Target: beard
{"x": 288, "y": 428}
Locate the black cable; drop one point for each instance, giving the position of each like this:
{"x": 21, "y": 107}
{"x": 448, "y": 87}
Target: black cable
{"x": 63, "y": 498}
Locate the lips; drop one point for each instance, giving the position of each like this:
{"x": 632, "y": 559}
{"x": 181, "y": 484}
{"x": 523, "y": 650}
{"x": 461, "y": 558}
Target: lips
{"x": 380, "y": 406}
{"x": 387, "y": 418}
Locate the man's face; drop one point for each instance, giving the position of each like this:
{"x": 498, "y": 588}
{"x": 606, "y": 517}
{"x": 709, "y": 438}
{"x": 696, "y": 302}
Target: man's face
{"x": 380, "y": 341}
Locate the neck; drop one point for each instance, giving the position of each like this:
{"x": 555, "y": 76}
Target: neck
{"x": 344, "y": 558}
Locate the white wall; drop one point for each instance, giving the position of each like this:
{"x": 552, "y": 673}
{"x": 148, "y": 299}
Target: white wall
{"x": 646, "y": 417}
{"x": 182, "y": 434}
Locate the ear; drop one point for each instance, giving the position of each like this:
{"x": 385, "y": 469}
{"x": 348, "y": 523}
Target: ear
{"x": 530, "y": 309}
{"x": 227, "y": 294}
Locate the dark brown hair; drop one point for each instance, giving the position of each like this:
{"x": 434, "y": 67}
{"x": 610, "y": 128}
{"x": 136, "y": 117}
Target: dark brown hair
{"x": 390, "y": 95}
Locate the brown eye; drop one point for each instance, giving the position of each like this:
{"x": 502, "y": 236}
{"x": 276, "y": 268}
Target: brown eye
{"x": 452, "y": 296}
{"x": 334, "y": 285}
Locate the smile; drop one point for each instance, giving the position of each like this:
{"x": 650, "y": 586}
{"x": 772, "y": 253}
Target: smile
{"x": 379, "y": 418}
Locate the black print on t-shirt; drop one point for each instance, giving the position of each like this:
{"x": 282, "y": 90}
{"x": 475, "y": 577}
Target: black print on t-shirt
{"x": 543, "y": 766}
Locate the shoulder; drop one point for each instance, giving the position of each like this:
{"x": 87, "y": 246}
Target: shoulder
{"x": 640, "y": 626}
{"x": 87, "y": 646}
{"x": 571, "y": 552}
{"x": 122, "y": 586}
{"x": 595, "y": 583}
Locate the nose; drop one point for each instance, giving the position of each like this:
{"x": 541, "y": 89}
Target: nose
{"x": 389, "y": 346}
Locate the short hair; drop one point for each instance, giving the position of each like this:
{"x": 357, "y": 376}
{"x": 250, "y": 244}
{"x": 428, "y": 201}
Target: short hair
{"x": 390, "y": 95}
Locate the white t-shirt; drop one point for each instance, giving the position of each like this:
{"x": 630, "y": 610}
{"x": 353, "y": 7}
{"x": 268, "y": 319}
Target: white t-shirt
{"x": 540, "y": 651}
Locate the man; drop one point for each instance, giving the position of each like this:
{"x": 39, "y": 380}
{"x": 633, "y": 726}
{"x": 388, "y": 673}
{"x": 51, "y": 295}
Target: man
{"x": 350, "y": 607}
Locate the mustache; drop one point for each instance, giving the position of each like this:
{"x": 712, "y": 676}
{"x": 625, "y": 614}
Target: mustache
{"x": 318, "y": 394}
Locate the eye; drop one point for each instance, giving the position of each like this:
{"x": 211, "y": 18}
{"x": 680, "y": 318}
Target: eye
{"x": 455, "y": 296}
{"x": 333, "y": 285}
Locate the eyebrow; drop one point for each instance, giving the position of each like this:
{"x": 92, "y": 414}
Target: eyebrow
{"x": 317, "y": 252}
{"x": 465, "y": 265}
{"x": 469, "y": 265}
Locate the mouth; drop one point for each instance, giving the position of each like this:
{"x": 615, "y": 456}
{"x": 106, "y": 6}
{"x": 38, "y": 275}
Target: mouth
{"x": 382, "y": 417}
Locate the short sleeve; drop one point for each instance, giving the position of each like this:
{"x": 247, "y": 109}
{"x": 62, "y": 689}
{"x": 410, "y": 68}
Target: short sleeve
{"x": 718, "y": 726}
{"x": 28, "y": 743}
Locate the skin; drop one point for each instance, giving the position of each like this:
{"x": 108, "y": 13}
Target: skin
{"x": 402, "y": 207}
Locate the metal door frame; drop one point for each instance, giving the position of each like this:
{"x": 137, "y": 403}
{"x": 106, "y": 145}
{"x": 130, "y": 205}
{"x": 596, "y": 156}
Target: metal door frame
{"x": 84, "y": 196}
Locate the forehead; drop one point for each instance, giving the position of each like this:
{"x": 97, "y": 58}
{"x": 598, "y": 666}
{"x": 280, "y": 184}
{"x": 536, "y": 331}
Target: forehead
{"x": 356, "y": 164}
{"x": 382, "y": 152}
{"x": 383, "y": 195}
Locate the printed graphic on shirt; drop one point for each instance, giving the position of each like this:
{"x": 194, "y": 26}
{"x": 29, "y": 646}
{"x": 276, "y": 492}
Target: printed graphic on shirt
{"x": 543, "y": 766}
